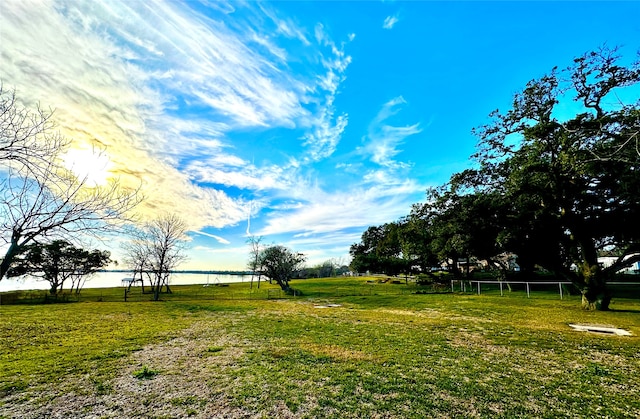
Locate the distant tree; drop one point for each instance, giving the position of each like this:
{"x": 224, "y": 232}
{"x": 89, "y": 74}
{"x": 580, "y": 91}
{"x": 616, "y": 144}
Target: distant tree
{"x": 59, "y": 262}
{"x": 158, "y": 249}
{"x": 415, "y": 240}
{"x": 326, "y": 269}
{"x": 343, "y": 270}
{"x": 280, "y": 264}
{"x": 380, "y": 250}
{"x": 137, "y": 257}
{"x": 40, "y": 199}
{"x": 255, "y": 246}
{"x": 460, "y": 225}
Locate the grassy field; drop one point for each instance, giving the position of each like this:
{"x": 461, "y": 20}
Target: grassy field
{"x": 345, "y": 349}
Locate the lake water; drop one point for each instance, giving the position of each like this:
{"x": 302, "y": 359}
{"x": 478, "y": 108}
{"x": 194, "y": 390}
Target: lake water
{"x": 114, "y": 279}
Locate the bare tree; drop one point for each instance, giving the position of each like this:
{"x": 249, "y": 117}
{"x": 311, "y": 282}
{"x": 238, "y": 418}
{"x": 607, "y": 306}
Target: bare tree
{"x": 157, "y": 250}
{"x": 40, "y": 199}
{"x": 255, "y": 244}
{"x": 137, "y": 258}
{"x": 26, "y": 137}
{"x": 57, "y": 206}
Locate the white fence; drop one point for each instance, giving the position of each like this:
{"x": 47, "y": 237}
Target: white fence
{"x": 478, "y": 285}
{"x": 502, "y": 283}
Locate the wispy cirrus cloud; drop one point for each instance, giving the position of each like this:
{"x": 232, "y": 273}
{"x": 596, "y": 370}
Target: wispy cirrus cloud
{"x": 323, "y": 213}
{"x": 390, "y": 21}
{"x": 383, "y": 139}
{"x": 159, "y": 84}
{"x": 219, "y": 239}
{"x": 248, "y": 177}
{"x": 182, "y": 99}
{"x": 327, "y": 128}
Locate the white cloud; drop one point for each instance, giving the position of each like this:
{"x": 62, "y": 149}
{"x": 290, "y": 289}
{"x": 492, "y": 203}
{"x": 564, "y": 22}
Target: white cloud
{"x": 234, "y": 172}
{"x": 234, "y": 251}
{"x": 390, "y": 21}
{"x": 383, "y": 139}
{"x": 323, "y": 213}
{"x": 165, "y": 90}
{"x": 213, "y": 236}
{"x": 323, "y": 140}
{"x": 384, "y": 193}
{"x": 327, "y": 128}
{"x": 284, "y": 26}
{"x": 267, "y": 43}
{"x": 125, "y": 74}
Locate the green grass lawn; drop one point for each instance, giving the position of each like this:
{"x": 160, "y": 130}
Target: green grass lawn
{"x": 381, "y": 351}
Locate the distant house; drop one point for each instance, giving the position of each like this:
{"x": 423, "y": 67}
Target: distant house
{"x": 606, "y": 261}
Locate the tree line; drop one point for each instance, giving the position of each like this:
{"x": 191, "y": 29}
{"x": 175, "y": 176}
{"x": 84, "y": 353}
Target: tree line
{"x": 550, "y": 190}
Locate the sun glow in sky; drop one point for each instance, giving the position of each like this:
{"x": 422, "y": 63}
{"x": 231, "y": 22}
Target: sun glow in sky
{"x": 302, "y": 122}
{"x": 90, "y": 166}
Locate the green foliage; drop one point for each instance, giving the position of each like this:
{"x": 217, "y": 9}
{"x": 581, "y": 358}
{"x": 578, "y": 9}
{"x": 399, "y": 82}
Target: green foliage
{"x": 567, "y": 184}
{"x": 555, "y": 190}
{"x": 145, "y": 373}
{"x": 280, "y": 264}
{"x": 58, "y": 262}
{"x": 387, "y": 249}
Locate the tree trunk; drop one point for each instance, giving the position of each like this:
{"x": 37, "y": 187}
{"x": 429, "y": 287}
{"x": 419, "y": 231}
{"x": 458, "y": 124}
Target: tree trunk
{"x": 468, "y": 270}
{"x": 157, "y": 285}
{"x": 595, "y": 294}
{"x": 12, "y": 251}
{"x": 596, "y": 297}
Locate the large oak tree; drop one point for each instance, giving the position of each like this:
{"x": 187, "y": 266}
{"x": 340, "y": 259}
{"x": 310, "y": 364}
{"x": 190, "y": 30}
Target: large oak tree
{"x": 569, "y": 183}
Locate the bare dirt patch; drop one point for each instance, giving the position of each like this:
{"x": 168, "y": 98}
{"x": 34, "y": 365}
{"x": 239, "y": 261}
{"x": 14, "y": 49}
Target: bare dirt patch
{"x": 190, "y": 381}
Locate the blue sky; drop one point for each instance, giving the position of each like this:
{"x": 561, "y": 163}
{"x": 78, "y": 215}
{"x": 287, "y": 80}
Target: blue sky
{"x": 302, "y": 122}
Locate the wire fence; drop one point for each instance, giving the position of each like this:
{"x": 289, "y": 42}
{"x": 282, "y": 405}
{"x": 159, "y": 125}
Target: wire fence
{"x": 561, "y": 288}
{"x": 302, "y": 289}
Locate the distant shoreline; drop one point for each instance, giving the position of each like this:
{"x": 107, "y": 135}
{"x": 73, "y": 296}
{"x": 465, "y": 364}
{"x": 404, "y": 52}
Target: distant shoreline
{"x": 109, "y": 278}
{"x": 186, "y": 272}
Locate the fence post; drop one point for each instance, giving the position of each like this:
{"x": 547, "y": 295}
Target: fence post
{"x": 560, "y": 287}
{"x": 501, "y": 289}
{"x": 478, "y": 287}
{"x": 528, "y": 296}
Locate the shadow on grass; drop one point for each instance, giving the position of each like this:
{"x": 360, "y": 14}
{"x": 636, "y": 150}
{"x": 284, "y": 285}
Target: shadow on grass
{"x": 613, "y": 310}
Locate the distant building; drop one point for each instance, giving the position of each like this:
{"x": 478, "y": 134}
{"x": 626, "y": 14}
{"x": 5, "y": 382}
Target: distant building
{"x": 606, "y": 261}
